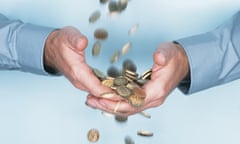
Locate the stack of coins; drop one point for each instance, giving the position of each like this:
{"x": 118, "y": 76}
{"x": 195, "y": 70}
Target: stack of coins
{"x": 128, "y": 84}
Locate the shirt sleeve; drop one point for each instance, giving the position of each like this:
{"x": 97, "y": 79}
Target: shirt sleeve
{"x": 214, "y": 57}
{"x": 22, "y": 45}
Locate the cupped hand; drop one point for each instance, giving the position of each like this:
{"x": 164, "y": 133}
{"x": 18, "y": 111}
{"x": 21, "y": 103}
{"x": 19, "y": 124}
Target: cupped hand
{"x": 169, "y": 68}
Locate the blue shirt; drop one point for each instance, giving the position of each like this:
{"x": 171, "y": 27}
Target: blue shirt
{"x": 214, "y": 57}
{"x": 22, "y": 45}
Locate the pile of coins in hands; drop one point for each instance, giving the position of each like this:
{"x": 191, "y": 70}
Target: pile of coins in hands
{"x": 126, "y": 83}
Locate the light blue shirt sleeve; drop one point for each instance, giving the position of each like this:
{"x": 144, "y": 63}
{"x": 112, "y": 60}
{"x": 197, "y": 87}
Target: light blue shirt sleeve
{"x": 22, "y": 46}
{"x": 214, "y": 57}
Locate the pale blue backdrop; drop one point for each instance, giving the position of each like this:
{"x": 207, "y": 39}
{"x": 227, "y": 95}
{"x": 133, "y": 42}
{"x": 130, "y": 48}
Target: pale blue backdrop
{"x": 49, "y": 110}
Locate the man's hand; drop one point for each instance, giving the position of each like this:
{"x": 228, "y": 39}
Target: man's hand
{"x": 170, "y": 67}
{"x": 64, "y": 51}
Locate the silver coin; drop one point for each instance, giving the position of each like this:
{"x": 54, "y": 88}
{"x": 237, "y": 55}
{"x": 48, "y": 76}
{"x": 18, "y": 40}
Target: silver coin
{"x": 96, "y": 49}
{"x": 113, "y": 72}
{"x": 120, "y": 118}
{"x": 123, "y": 91}
{"x": 113, "y": 6}
{"x": 145, "y": 114}
{"x": 122, "y": 4}
{"x": 119, "y": 81}
{"x": 94, "y": 16}
{"x": 129, "y": 65}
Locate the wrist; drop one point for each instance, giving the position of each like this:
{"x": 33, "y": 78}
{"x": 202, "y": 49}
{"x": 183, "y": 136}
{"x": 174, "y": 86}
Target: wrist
{"x": 49, "y": 64}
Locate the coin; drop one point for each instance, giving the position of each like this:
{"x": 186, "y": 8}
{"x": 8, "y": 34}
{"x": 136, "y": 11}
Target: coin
{"x": 103, "y": 1}
{"x": 145, "y": 133}
{"x": 122, "y": 4}
{"x": 133, "y": 29}
{"x": 135, "y": 101}
{"x": 113, "y": 6}
{"x": 93, "y": 135}
{"x": 129, "y": 65}
{"x": 128, "y": 140}
{"x": 126, "y": 48}
{"x": 120, "y": 118}
{"x": 141, "y": 82}
{"x": 96, "y": 49}
{"x": 115, "y": 57}
{"x": 145, "y": 114}
{"x": 147, "y": 74}
{"x": 113, "y": 72}
{"x": 123, "y": 91}
{"x": 101, "y": 34}
{"x": 99, "y": 74}
{"x": 108, "y": 82}
{"x": 94, "y": 16}
{"x": 120, "y": 81}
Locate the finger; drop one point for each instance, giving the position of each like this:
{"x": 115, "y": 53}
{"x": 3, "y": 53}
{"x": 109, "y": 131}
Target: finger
{"x": 109, "y": 105}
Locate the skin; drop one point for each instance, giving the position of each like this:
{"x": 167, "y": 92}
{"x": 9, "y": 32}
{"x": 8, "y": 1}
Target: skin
{"x": 64, "y": 52}
{"x": 170, "y": 67}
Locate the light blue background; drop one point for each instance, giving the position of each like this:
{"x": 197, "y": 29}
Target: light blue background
{"x": 49, "y": 110}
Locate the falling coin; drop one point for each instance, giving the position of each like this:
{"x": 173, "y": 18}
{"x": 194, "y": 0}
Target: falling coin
{"x": 93, "y": 135}
{"x": 113, "y": 6}
{"x": 128, "y": 140}
{"x": 94, "y": 16}
{"x": 122, "y": 4}
{"x": 101, "y": 34}
{"x": 133, "y": 29}
{"x": 103, "y": 1}
{"x": 145, "y": 133}
{"x": 115, "y": 57}
{"x": 126, "y": 48}
{"x": 120, "y": 118}
{"x": 96, "y": 48}
{"x": 145, "y": 114}
{"x": 129, "y": 65}
{"x": 113, "y": 72}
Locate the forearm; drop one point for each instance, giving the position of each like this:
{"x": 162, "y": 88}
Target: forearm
{"x": 213, "y": 57}
{"x": 22, "y": 45}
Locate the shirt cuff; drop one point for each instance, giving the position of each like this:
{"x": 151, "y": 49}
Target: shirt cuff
{"x": 203, "y": 56}
{"x": 30, "y": 41}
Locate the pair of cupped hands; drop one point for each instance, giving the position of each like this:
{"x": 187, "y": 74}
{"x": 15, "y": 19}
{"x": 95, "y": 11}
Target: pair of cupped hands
{"x": 65, "y": 52}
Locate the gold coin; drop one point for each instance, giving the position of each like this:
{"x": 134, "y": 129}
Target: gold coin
{"x": 108, "y": 82}
{"x": 135, "y": 101}
{"x": 123, "y": 91}
{"x": 145, "y": 133}
{"x": 126, "y": 48}
{"x": 93, "y": 135}
{"x": 96, "y": 49}
{"x": 94, "y": 16}
{"x": 120, "y": 81}
{"x": 101, "y": 34}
